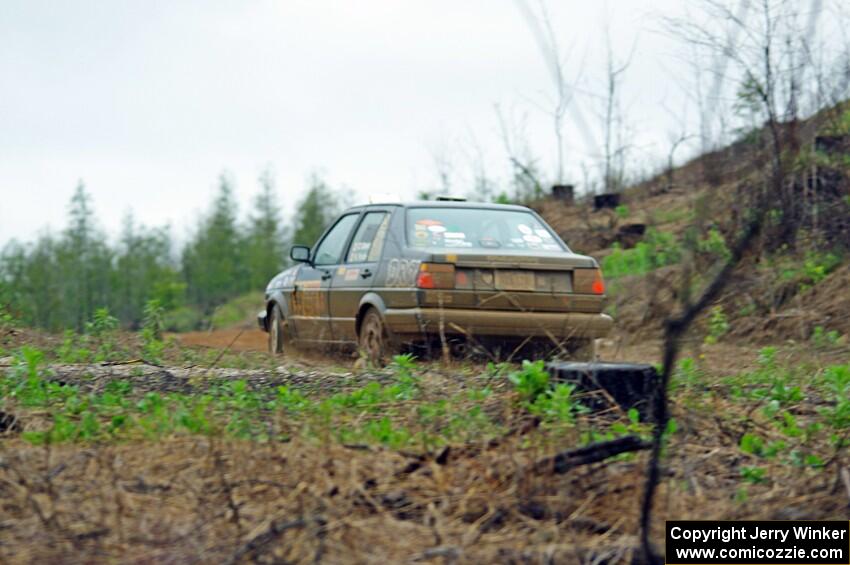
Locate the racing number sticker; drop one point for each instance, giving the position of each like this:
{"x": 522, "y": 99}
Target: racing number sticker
{"x": 402, "y": 272}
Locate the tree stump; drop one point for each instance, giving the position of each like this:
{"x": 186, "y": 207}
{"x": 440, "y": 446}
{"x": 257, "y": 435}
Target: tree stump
{"x": 606, "y": 200}
{"x": 564, "y": 193}
{"x": 609, "y": 385}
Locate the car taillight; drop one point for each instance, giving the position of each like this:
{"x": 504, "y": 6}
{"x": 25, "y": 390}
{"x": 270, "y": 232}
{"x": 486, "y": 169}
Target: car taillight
{"x": 588, "y": 281}
{"x": 598, "y": 286}
{"x": 436, "y": 275}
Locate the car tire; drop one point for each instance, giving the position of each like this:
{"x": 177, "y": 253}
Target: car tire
{"x": 278, "y": 332}
{"x": 375, "y": 346}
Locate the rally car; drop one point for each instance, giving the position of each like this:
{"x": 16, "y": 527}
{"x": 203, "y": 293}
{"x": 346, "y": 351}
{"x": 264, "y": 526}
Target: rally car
{"x": 458, "y": 275}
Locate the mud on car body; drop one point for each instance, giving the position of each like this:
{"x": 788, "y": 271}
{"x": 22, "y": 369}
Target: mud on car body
{"x": 389, "y": 276}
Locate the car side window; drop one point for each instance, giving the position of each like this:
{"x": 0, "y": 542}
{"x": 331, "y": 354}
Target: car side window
{"x": 369, "y": 238}
{"x": 330, "y": 249}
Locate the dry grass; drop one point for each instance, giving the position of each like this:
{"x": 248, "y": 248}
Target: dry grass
{"x": 200, "y": 500}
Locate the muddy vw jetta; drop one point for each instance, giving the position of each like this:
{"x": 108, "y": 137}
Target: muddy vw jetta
{"x": 458, "y": 275}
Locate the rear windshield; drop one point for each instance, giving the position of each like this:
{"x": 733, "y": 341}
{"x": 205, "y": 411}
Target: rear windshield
{"x": 479, "y": 228}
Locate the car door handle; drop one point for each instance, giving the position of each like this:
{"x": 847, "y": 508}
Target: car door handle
{"x": 366, "y": 274}
{"x": 326, "y": 275}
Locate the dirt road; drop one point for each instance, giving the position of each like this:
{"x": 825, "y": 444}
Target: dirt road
{"x": 719, "y": 358}
{"x": 238, "y": 339}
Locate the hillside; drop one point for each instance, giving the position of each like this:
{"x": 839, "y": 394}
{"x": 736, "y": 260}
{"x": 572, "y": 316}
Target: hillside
{"x": 781, "y": 290}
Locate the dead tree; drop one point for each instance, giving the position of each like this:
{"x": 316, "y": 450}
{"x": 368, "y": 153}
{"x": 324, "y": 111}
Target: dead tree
{"x": 614, "y": 147}
{"x": 526, "y": 178}
{"x": 563, "y": 100}
{"x": 676, "y": 140}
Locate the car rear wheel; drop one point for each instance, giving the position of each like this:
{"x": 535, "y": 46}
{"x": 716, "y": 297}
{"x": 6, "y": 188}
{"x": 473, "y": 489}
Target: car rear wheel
{"x": 278, "y": 332}
{"x": 375, "y": 346}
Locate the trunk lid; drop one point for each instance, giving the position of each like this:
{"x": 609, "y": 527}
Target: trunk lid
{"x": 510, "y": 259}
{"x": 518, "y": 280}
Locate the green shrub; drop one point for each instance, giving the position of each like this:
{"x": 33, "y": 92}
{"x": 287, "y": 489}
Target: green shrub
{"x": 6, "y": 318}
{"x": 813, "y": 269}
{"x": 102, "y": 330}
{"x": 822, "y": 338}
{"x": 71, "y": 351}
{"x": 817, "y": 265}
{"x": 151, "y": 334}
{"x": 687, "y": 374}
{"x": 554, "y": 404}
{"x": 751, "y": 444}
{"x": 384, "y": 431}
{"x": 754, "y": 475}
{"x": 557, "y": 404}
{"x": 658, "y": 249}
{"x": 531, "y": 381}
{"x": 102, "y": 324}
{"x": 718, "y": 325}
{"x": 837, "y": 381}
{"x": 714, "y": 244}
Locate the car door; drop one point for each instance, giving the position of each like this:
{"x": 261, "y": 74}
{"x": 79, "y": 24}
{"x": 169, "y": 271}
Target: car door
{"x": 308, "y": 302}
{"x": 355, "y": 276}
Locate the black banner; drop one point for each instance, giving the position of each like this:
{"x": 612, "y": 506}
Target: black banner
{"x": 694, "y": 542}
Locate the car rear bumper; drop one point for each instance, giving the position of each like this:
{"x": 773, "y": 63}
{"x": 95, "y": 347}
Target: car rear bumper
{"x": 561, "y": 325}
{"x": 262, "y": 321}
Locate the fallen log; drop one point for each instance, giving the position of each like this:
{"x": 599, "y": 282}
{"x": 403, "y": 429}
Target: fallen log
{"x": 562, "y": 462}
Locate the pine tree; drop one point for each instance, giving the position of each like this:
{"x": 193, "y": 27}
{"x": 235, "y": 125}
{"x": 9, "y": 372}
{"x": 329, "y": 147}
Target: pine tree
{"x": 213, "y": 261}
{"x": 43, "y": 285}
{"x": 266, "y": 245}
{"x": 32, "y": 282}
{"x": 84, "y": 264}
{"x": 143, "y": 271}
{"x": 315, "y": 212}
{"x": 60, "y": 282}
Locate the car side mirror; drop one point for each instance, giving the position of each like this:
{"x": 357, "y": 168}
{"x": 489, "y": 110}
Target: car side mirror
{"x": 300, "y": 253}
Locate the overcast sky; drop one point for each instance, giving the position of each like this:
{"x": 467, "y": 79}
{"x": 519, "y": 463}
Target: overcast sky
{"x": 148, "y": 102}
